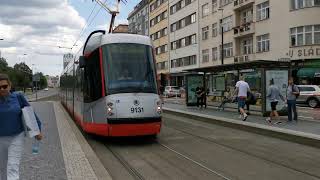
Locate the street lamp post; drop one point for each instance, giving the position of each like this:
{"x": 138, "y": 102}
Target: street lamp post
{"x": 222, "y": 32}
{"x": 1, "y": 39}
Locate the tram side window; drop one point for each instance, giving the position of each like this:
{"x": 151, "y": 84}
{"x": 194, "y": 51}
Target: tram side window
{"x": 92, "y": 78}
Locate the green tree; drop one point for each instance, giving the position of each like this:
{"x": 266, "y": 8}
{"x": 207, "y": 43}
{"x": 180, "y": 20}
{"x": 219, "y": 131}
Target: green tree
{"x": 23, "y": 75}
{"x": 43, "y": 80}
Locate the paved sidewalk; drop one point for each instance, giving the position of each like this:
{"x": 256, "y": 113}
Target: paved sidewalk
{"x": 63, "y": 153}
{"x": 307, "y": 126}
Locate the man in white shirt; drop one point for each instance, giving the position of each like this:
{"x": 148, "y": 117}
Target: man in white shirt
{"x": 242, "y": 88}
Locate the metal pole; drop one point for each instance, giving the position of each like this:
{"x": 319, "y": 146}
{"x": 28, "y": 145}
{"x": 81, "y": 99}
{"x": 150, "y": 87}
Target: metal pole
{"x": 222, "y": 52}
{"x": 222, "y": 33}
{"x": 36, "y": 90}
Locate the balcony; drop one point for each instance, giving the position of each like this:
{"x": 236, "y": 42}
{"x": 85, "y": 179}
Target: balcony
{"x": 244, "y": 30}
{"x": 242, "y": 4}
{"x": 244, "y": 58}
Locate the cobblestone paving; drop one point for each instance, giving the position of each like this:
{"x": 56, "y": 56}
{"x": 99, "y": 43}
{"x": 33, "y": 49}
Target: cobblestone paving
{"x": 77, "y": 165}
{"x": 49, "y": 163}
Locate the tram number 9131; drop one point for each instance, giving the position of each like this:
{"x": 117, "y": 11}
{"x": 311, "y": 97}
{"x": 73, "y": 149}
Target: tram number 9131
{"x": 137, "y": 110}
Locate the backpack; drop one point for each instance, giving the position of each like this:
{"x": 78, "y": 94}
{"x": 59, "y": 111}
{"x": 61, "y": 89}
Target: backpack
{"x": 251, "y": 99}
{"x": 297, "y": 95}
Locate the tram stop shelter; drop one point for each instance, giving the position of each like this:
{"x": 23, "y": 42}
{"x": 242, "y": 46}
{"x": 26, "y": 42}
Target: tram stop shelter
{"x": 220, "y": 81}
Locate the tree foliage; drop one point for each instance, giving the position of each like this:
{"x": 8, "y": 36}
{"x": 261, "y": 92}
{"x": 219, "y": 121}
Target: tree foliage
{"x": 21, "y": 75}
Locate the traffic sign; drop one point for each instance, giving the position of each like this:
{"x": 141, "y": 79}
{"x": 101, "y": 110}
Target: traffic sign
{"x": 36, "y": 78}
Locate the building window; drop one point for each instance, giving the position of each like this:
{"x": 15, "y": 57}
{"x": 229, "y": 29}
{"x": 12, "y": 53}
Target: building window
{"x": 185, "y": 61}
{"x": 305, "y": 35}
{"x": 227, "y": 50}
{"x": 214, "y": 54}
{"x": 205, "y": 33}
{"x": 263, "y": 43}
{"x": 205, "y": 10}
{"x": 193, "y": 39}
{"x": 156, "y": 4}
{"x": 193, "y": 18}
{"x": 247, "y": 46}
{"x": 159, "y": 18}
{"x": 263, "y": 11}
{"x": 183, "y": 42}
{"x": 205, "y": 55}
{"x": 227, "y": 24}
{"x": 179, "y": 5}
{"x": 174, "y": 45}
{"x": 246, "y": 16}
{"x": 214, "y": 6}
{"x": 162, "y": 65}
{"x": 183, "y": 22}
{"x": 214, "y": 30}
{"x": 225, "y": 2}
{"x": 299, "y": 4}
{"x": 161, "y": 49}
{"x": 159, "y": 34}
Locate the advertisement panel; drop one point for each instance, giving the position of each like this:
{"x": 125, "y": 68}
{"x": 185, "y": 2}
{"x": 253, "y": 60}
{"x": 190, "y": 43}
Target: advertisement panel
{"x": 280, "y": 78}
{"x": 193, "y": 81}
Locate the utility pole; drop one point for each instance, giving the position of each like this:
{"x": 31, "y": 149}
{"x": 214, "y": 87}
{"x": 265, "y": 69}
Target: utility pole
{"x": 222, "y": 33}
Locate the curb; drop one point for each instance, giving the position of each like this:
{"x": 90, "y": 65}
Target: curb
{"x": 94, "y": 161}
{"x": 285, "y": 134}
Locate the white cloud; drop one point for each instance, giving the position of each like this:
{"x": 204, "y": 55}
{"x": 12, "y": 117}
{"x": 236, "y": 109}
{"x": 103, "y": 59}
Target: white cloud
{"x": 37, "y": 28}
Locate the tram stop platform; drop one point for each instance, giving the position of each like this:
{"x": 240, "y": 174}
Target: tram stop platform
{"x": 305, "y": 131}
{"x": 64, "y": 152}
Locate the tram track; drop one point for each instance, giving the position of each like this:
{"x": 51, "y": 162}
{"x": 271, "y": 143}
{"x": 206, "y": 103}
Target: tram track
{"x": 194, "y": 161}
{"x": 235, "y": 149}
{"x": 136, "y": 175}
{"x": 132, "y": 171}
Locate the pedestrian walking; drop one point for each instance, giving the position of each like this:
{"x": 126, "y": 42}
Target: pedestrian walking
{"x": 204, "y": 97}
{"x": 274, "y": 96}
{"x": 11, "y": 130}
{"x": 242, "y": 88}
{"x": 199, "y": 96}
{"x": 292, "y": 94}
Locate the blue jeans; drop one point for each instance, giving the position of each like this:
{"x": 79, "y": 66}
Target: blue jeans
{"x": 292, "y": 108}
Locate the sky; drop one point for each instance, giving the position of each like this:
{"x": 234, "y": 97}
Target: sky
{"x": 33, "y": 30}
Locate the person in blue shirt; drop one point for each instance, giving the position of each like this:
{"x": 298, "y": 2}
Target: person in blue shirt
{"x": 11, "y": 129}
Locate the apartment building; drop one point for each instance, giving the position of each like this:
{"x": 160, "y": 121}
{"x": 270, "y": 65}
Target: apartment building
{"x": 158, "y": 21}
{"x": 277, "y": 30}
{"x": 138, "y": 19}
{"x": 183, "y": 27}
{"x": 253, "y": 30}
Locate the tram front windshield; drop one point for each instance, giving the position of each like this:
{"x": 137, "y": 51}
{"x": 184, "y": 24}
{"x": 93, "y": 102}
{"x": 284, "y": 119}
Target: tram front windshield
{"x": 129, "y": 68}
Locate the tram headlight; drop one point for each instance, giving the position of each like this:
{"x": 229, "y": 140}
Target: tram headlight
{"x": 109, "y": 109}
{"x": 159, "y": 108}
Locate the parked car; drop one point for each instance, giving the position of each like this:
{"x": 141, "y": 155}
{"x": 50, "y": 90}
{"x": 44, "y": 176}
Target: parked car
{"x": 46, "y": 89}
{"x": 172, "y": 91}
{"x": 309, "y": 94}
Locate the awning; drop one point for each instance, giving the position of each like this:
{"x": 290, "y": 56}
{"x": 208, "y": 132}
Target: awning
{"x": 309, "y": 72}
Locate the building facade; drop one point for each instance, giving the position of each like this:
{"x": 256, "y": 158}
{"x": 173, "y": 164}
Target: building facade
{"x": 139, "y": 19}
{"x": 158, "y": 21}
{"x": 253, "y": 30}
{"x": 52, "y": 81}
{"x": 183, "y": 27}
{"x": 66, "y": 59}
{"x": 285, "y": 30}
{"x": 121, "y": 28}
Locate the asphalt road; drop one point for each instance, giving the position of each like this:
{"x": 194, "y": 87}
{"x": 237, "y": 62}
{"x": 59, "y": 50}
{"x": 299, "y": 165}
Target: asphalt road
{"x": 42, "y": 94}
{"x": 188, "y": 149}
